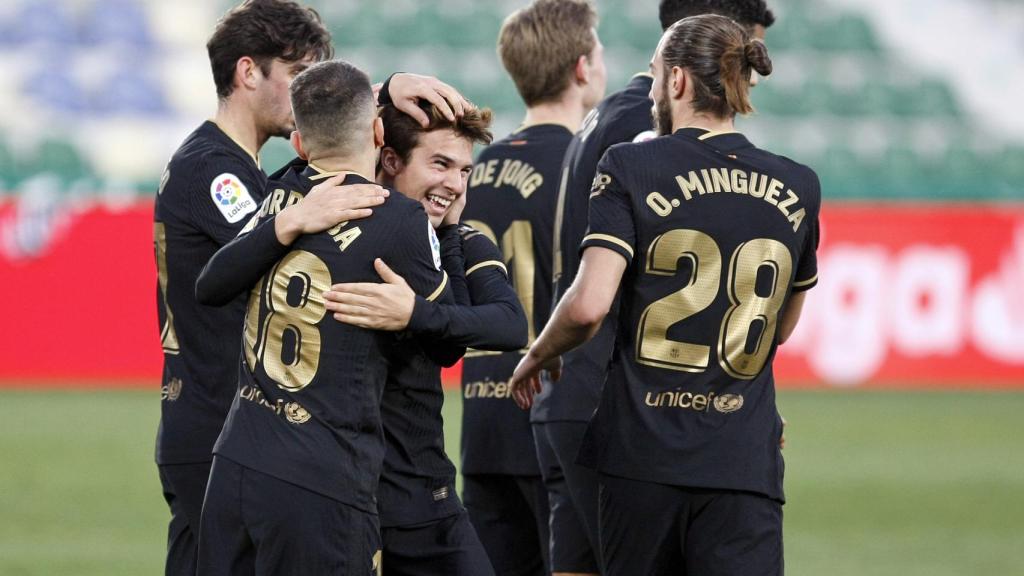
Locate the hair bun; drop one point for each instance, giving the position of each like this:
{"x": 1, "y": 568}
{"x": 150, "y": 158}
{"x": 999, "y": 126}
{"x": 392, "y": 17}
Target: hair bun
{"x": 756, "y": 54}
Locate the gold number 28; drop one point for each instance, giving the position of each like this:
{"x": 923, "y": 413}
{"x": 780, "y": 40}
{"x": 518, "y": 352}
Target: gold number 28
{"x": 748, "y": 310}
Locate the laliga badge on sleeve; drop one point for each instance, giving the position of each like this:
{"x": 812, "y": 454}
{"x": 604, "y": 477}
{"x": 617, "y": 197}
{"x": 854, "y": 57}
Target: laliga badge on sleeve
{"x": 435, "y": 246}
{"x": 231, "y": 197}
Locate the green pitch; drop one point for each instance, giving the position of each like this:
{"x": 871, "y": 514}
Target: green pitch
{"x": 899, "y": 484}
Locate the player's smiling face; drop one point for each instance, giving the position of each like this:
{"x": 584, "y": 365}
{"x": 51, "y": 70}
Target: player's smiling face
{"x": 275, "y": 102}
{"x": 436, "y": 172}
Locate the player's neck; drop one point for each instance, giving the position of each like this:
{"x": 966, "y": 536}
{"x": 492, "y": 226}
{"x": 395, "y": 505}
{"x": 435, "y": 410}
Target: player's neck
{"x": 361, "y": 165}
{"x": 568, "y": 112}
{"x": 239, "y": 124}
{"x": 704, "y": 121}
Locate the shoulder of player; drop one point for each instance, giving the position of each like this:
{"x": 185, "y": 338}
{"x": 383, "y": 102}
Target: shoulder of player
{"x": 800, "y": 174}
{"x": 475, "y": 239}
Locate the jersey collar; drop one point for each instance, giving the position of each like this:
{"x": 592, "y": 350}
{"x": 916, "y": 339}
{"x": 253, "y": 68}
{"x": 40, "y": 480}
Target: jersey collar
{"x": 725, "y": 141}
{"x": 315, "y": 173}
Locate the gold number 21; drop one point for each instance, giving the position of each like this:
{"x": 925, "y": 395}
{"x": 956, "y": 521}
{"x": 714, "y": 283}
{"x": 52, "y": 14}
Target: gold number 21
{"x": 748, "y": 309}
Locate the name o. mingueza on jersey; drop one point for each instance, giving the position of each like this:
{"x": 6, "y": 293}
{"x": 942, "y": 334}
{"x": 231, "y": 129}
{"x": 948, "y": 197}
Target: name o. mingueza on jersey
{"x": 698, "y": 183}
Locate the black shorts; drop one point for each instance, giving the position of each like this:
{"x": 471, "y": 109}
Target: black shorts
{"x": 510, "y": 514}
{"x": 184, "y": 486}
{"x": 256, "y": 524}
{"x": 572, "y": 495}
{"x": 649, "y": 528}
{"x": 446, "y": 546}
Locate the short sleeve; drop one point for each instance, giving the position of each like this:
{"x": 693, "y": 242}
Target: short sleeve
{"x": 807, "y": 266}
{"x": 224, "y": 196}
{"x": 416, "y": 255}
{"x": 610, "y": 212}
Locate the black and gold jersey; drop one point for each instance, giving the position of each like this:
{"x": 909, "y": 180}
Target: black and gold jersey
{"x": 624, "y": 116}
{"x": 717, "y": 234}
{"x": 512, "y": 196}
{"x": 417, "y": 484}
{"x": 209, "y": 188}
{"x": 307, "y": 407}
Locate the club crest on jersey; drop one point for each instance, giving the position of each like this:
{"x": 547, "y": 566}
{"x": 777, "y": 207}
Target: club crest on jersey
{"x": 295, "y": 413}
{"x": 231, "y": 197}
{"x": 727, "y": 403}
{"x": 435, "y": 246}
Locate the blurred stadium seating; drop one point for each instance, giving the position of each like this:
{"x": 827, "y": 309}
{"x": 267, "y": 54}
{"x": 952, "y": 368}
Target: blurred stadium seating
{"x": 85, "y": 76}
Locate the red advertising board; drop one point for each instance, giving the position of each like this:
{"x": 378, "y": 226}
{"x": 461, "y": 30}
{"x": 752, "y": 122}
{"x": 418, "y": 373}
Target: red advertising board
{"x": 910, "y": 295}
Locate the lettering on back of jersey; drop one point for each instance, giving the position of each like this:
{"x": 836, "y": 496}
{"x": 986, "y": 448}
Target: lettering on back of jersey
{"x": 231, "y": 197}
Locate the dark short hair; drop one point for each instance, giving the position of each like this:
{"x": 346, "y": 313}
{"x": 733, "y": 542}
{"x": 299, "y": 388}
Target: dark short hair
{"x": 402, "y": 132}
{"x": 719, "y": 54}
{"x": 265, "y": 30}
{"x": 746, "y": 12}
{"x": 333, "y": 105}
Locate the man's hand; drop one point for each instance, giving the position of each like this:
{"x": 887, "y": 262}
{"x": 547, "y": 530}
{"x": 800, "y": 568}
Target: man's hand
{"x": 454, "y": 213}
{"x": 407, "y": 89}
{"x": 525, "y": 381}
{"x": 325, "y": 206}
{"x": 386, "y": 306}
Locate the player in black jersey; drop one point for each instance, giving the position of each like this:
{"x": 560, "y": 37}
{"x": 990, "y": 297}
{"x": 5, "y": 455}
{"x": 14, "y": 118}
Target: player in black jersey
{"x": 560, "y": 413}
{"x": 552, "y": 52}
{"x": 293, "y": 483}
{"x": 211, "y": 185}
{"x": 713, "y": 241}
{"x": 424, "y": 527}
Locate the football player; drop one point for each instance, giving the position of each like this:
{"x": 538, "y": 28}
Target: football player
{"x": 713, "y": 243}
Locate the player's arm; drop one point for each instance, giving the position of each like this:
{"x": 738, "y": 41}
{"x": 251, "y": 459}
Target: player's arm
{"x": 607, "y": 249}
{"x": 238, "y": 265}
{"x": 806, "y": 276}
{"x": 575, "y": 320}
{"x": 492, "y": 318}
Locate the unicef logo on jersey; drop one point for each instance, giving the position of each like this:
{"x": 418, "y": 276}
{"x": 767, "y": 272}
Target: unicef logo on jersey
{"x": 231, "y": 197}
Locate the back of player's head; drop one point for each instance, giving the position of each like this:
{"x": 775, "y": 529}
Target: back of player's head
{"x": 334, "y": 108}
{"x": 402, "y": 132}
{"x": 748, "y": 13}
{"x": 265, "y": 30}
{"x": 719, "y": 55}
{"x": 539, "y": 46}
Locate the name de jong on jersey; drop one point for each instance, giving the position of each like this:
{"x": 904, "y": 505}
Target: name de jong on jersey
{"x": 307, "y": 408}
{"x": 717, "y": 234}
{"x": 512, "y": 195}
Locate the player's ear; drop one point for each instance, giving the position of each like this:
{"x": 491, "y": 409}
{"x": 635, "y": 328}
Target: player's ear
{"x": 247, "y": 72}
{"x": 296, "y": 140}
{"x": 680, "y": 79}
{"x": 378, "y": 132}
{"x": 390, "y": 161}
{"x": 582, "y": 72}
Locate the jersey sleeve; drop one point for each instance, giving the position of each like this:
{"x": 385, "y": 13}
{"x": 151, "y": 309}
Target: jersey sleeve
{"x": 807, "y": 266}
{"x": 240, "y": 264}
{"x": 415, "y": 255}
{"x": 494, "y": 321}
{"x": 223, "y": 196}
{"x": 453, "y": 262}
{"x": 610, "y": 213}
